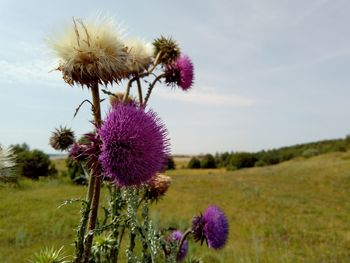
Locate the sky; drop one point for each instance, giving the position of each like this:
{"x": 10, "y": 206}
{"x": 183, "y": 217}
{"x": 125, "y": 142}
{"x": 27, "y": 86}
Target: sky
{"x": 268, "y": 73}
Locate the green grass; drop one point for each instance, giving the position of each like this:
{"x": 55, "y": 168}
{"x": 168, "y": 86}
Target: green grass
{"x": 297, "y": 211}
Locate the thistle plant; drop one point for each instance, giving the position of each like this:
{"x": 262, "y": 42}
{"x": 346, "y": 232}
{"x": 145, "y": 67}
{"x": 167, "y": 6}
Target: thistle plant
{"x": 8, "y": 172}
{"x": 129, "y": 146}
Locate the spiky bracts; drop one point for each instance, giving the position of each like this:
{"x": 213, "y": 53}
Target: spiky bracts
{"x": 180, "y": 73}
{"x": 62, "y": 138}
{"x": 157, "y": 187}
{"x": 211, "y": 227}
{"x": 134, "y": 145}
{"x": 168, "y": 49}
{"x": 91, "y": 53}
{"x": 88, "y": 150}
{"x": 176, "y": 236}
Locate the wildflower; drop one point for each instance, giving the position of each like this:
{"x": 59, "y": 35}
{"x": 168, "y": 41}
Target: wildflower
{"x": 134, "y": 144}
{"x": 62, "y": 138}
{"x": 177, "y": 236}
{"x": 91, "y": 53}
{"x": 167, "y": 48}
{"x": 88, "y": 150}
{"x": 211, "y": 227}
{"x": 140, "y": 55}
{"x": 158, "y": 186}
{"x": 180, "y": 73}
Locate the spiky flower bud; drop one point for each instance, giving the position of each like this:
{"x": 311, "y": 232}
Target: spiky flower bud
{"x": 62, "y": 138}
{"x": 169, "y": 49}
{"x": 157, "y": 187}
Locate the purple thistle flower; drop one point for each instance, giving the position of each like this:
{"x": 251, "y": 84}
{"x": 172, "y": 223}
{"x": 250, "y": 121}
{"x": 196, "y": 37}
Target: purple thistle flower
{"x": 88, "y": 150}
{"x": 177, "y": 236}
{"x": 134, "y": 145}
{"x": 180, "y": 72}
{"x": 211, "y": 227}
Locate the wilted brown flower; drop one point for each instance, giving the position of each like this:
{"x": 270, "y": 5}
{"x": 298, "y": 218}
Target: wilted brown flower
{"x": 140, "y": 55}
{"x": 62, "y": 138}
{"x": 157, "y": 186}
{"x": 91, "y": 53}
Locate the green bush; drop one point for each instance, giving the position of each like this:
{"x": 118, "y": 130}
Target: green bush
{"x": 208, "y": 161}
{"x": 33, "y": 164}
{"x": 243, "y": 160}
{"x": 170, "y": 163}
{"x": 194, "y": 163}
{"x": 76, "y": 172}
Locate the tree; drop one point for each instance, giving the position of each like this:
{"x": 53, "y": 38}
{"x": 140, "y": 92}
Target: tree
{"x": 208, "y": 161}
{"x": 194, "y": 163}
{"x": 33, "y": 164}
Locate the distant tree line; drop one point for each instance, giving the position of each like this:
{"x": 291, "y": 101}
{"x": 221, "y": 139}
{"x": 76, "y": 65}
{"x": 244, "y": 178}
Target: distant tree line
{"x": 239, "y": 160}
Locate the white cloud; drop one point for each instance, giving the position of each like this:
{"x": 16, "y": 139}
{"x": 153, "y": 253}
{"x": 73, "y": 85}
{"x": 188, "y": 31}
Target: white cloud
{"x": 29, "y": 72}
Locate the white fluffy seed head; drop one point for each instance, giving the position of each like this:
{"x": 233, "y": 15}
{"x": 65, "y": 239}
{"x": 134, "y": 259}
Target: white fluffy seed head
{"x": 91, "y": 52}
{"x": 140, "y": 55}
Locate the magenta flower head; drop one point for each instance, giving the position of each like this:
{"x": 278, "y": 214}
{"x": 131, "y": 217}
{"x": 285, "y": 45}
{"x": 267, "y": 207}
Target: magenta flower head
{"x": 134, "y": 145}
{"x": 88, "y": 150}
{"x": 177, "y": 236}
{"x": 180, "y": 73}
{"x": 212, "y": 227}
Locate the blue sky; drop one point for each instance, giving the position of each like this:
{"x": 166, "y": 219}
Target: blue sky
{"x": 268, "y": 73}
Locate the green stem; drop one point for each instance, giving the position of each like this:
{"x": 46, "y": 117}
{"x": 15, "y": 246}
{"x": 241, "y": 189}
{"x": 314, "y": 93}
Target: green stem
{"x": 151, "y": 87}
{"x": 96, "y": 182}
{"x": 188, "y": 231}
{"x": 139, "y": 89}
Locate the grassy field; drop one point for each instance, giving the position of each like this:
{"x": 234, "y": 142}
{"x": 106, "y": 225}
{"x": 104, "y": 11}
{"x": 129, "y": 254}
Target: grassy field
{"x": 297, "y": 211}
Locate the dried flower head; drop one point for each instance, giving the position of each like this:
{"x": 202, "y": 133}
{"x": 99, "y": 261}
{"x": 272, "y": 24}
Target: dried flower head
{"x": 7, "y": 166}
{"x": 62, "y": 138}
{"x": 180, "y": 73}
{"x": 91, "y": 53}
{"x": 211, "y": 227}
{"x": 134, "y": 144}
{"x": 177, "y": 236}
{"x": 140, "y": 55}
{"x": 168, "y": 47}
{"x": 157, "y": 186}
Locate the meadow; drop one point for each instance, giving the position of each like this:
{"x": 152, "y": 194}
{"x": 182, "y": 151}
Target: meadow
{"x": 296, "y": 211}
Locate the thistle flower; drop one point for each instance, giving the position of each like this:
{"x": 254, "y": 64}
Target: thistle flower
{"x": 180, "y": 73}
{"x": 91, "y": 53}
{"x": 140, "y": 55}
{"x": 89, "y": 150}
{"x": 157, "y": 186}
{"x": 62, "y": 138}
{"x": 168, "y": 47}
{"x": 211, "y": 227}
{"x": 134, "y": 145}
{"x": 7, "y": 166}
{"x": 177, "y": 236}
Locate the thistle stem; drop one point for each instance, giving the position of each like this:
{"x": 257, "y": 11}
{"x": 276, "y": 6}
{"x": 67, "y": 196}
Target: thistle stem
{"x": 151, "y": 87}
{"x": 139, "y": 89}
{"x": 188, "y": 231}
{"x": 96, "y": 183}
